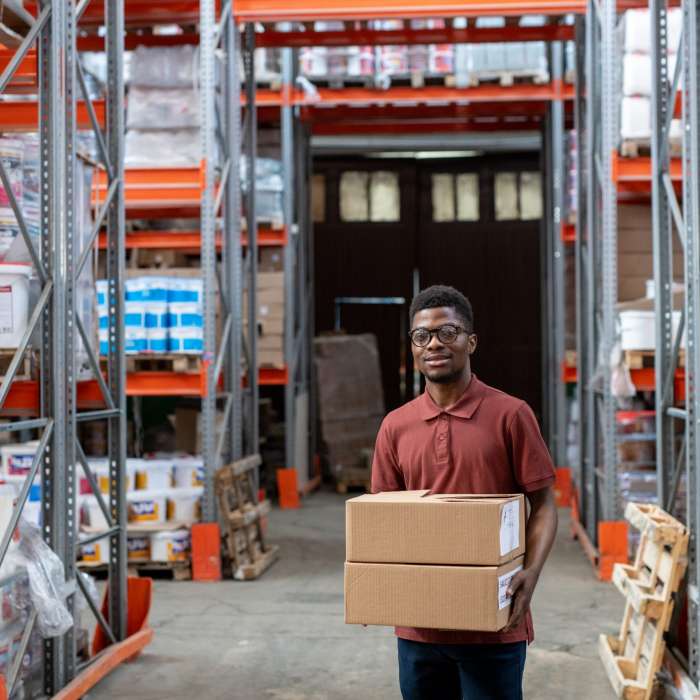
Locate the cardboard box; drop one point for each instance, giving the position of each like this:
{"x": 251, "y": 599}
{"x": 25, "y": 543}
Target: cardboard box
{"x": 271, "y": 259}
{"x": 436, "y": 597}
{"x": 271, "y": 342}
{"x": 414, "y": 527}
{"x": 270, "y": 280}
{"x": 271, "y": 358}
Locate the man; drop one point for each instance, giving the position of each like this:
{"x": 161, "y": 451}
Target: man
{"x": 462, "y": 436}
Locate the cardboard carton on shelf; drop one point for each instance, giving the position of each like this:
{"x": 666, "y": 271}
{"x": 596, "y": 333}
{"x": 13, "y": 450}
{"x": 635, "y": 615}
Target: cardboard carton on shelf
{"x": 415, "y": 527}
{"x": 436, "y": 597}
{"x": 271, "y": 259}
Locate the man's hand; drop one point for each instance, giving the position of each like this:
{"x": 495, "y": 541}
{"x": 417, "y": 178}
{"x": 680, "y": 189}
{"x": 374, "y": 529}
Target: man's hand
{"x": 521, "y": 588}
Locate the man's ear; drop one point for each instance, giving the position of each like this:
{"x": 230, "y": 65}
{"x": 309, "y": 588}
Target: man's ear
{"x": 472, "y": 342}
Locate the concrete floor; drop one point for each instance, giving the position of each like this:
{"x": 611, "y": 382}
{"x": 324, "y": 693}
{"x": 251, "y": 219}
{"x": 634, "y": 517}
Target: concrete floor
{"x": 283, "y": 637}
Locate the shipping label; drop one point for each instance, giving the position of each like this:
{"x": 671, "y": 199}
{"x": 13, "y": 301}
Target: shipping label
{"x": 503, "y": 581}
{"x": 510, "y": 527}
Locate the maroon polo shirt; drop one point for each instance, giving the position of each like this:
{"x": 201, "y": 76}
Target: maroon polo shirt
{"x": 487, "y": 442}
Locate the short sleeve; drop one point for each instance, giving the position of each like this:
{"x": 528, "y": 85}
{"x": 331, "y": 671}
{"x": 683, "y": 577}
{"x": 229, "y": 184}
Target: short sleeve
{"x": 532, "y": 463}
{"x": 386, "y": 473}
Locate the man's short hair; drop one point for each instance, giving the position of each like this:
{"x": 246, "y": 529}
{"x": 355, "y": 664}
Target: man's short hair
{"x": 440, "y": 295}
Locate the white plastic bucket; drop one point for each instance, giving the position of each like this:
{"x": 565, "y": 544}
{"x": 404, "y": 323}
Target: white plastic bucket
{"x": 14, "y": 302}
{"x": 138, "y": 547}
{"x": 638, "y": 329}
{"x": 154, "y": 474}
{"x": 170, "y": 545}
{"x": 184, "y": 505}
{"x": 147, "y": 506}
{"x": 95, "y": 552}
{"x": 100, "y": 469}
{"x": 16, "y": 460}
{"x": 189, "y": 472}
{"x": 156, "y": 314}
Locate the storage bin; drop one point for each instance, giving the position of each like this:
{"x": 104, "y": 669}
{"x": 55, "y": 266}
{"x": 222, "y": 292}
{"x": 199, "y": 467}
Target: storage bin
{"x": 147, "y": 506}
{"x": 170, "y": 545}
{"x": 95, "y": 552}
{"x": 16, "y": 460}
{"x": 638, "y": 329}
{"x": 14, "y": 303}
{"x": 154, "y": 474}
{"x": 188, "y": 472}
{"x": 138, "y": 548}
{"x": 184, "y": 505}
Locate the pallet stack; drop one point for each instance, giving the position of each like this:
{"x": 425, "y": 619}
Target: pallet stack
{"x": 634, "y": 657}
{"x": 243, "y": 519}
{"x": 351, "y": 405}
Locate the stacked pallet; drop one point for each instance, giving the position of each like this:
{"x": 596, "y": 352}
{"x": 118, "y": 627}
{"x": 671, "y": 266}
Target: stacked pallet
{"x": 243, "y": 519}
{"x": 633, "y": 658}
{"x": 351, "y": 405}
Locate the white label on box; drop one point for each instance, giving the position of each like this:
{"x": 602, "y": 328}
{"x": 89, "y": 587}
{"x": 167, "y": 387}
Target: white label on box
{"x": 503, "y": 581}
{"x": 510, "y": 527}
{"x": 6, "y": 321}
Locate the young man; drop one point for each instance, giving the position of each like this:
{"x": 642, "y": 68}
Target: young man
{"x": 462, "y": 436}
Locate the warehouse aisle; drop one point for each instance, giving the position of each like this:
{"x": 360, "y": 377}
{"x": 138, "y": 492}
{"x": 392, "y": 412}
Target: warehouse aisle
{"x": 283, "y": 637}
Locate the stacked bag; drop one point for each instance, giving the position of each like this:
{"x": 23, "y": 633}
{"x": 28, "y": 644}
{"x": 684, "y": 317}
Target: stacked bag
{"x": 162, "y": 314}
{"x": 635, "y": 117}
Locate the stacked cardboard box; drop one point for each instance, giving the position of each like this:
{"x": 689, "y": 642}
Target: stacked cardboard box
{"x": 270, "y": 303}
{"x": 435, "y": 561}
{"x": 351, "y": 402}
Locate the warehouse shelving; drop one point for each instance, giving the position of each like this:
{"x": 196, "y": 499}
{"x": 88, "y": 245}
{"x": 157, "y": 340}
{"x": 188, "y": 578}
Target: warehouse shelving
{"x": 56, "y": 398}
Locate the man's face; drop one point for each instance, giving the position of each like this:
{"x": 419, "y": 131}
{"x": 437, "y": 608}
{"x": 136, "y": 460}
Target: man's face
{"x": 440, "y": 362}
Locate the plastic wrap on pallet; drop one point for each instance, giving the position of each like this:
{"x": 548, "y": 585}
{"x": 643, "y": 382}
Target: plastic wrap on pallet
{"x": 165, "y": 66}
{"x": 170, "y": 148}
{"x": 635, "y": 118}
{"x": 150, "y": 108}
{"x": 47, "y": 582}
{"x": 637, "y": 73}
{"x": 637, "y": 30}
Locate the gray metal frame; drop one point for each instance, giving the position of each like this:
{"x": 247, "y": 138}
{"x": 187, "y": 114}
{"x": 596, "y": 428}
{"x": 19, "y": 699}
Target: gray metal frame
{"x": 60, "y": 78}
{"x": 597, "y": 264}
{"x": 670, "y": 215}
{"x": 553, "y": 264}
{"x": 691, "y": 219}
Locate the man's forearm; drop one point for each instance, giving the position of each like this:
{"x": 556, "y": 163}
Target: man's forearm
{"x": 541, "y": 529}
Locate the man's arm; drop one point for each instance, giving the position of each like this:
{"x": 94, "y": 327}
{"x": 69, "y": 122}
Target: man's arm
{"x": 386, "y": 472}
{"x": 540, "y": 532}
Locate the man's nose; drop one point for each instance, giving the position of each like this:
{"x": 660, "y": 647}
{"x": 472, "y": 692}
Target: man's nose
{"x": 435, "y": 342}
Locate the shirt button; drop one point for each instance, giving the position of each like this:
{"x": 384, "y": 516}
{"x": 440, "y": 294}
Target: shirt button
{"x": 442, "y": 437}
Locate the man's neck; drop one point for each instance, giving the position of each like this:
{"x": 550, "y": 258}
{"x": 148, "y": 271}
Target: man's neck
{"x": 444, "y": 395}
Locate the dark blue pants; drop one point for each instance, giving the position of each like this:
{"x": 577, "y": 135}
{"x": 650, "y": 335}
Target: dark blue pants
{"x": 461, "y": 671}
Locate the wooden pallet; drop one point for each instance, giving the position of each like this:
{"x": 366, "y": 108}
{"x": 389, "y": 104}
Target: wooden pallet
{"x": 639, "y": 359}
{"x": 249, "y": 554}
{"x": 634, "y": 657}
{"x": 28, "y": 366}
{"x": 636, "y": 148}
{"x": 163, "y": 363}
{"x": 500, "y": 77}
{"x": 176, "y": 570}
{"x": 274, "y": 224}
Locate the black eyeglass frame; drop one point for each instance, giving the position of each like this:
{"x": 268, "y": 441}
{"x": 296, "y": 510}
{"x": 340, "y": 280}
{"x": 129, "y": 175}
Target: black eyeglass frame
{"x": 436, "y": 331}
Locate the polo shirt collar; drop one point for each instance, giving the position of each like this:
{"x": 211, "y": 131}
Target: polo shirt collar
{"x": 464, "y": 407}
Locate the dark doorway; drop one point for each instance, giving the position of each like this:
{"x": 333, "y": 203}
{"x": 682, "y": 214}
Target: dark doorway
{"x": 444, "y": 225}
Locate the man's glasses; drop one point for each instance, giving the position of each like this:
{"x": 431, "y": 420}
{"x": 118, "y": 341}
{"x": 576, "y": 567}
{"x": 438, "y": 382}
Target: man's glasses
{"x": 446, "y": 334}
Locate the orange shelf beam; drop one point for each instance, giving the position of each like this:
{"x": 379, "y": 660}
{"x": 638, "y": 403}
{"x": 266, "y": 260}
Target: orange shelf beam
{"x": 271, "y": 376}
{"x": 643, "y": 379}
{"x": 25, "y": 76}
{"x": 189, "y": 240}
{"x": 334, "y": 128}
{"x": 24, "y": 116}
{"x": 415, "y": 37}
{"x": 435, "y": 94}
{"x": 312, "y": 10}
{"x": 633, "y": 175}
